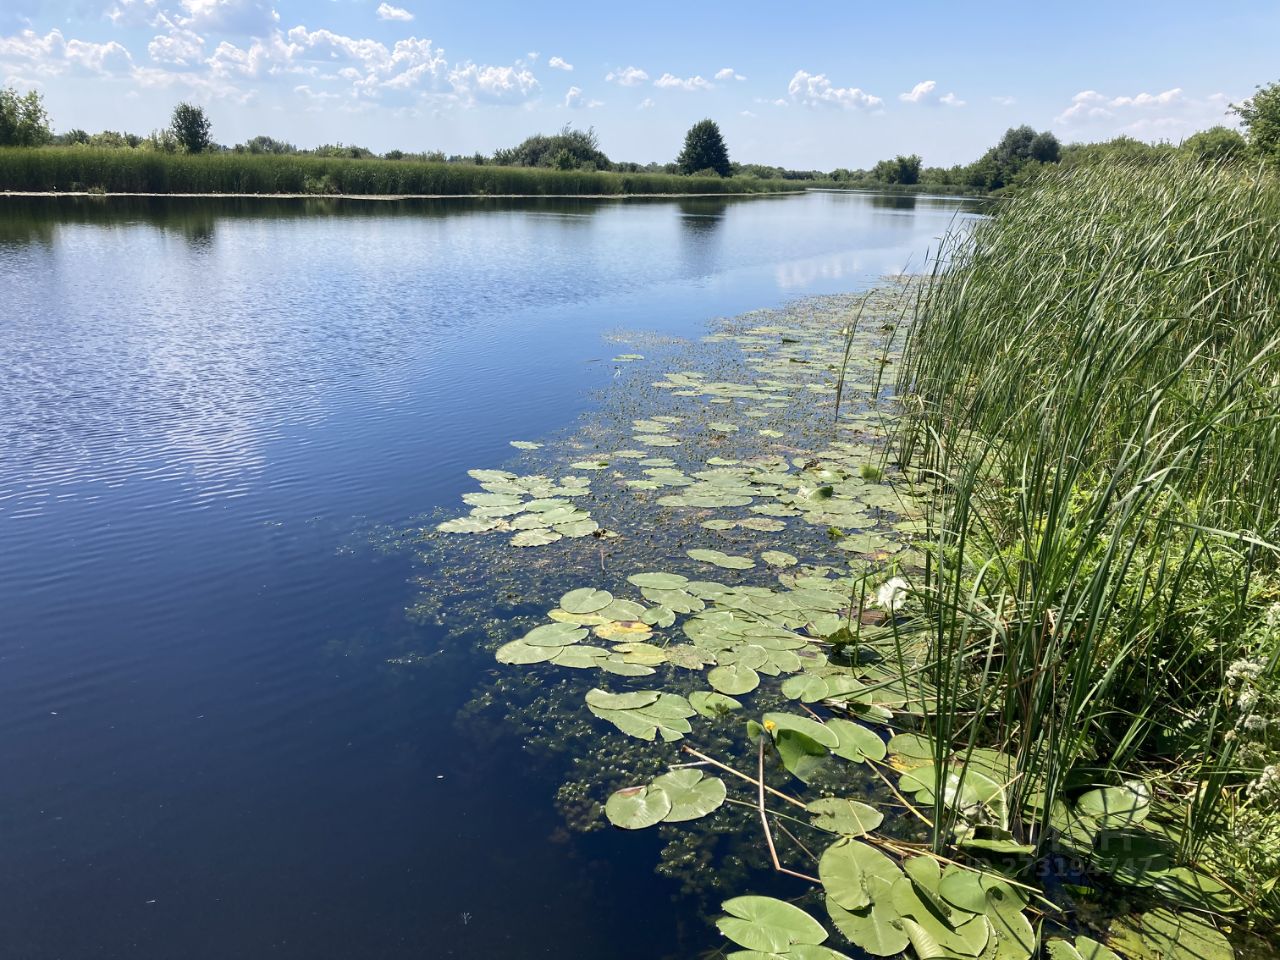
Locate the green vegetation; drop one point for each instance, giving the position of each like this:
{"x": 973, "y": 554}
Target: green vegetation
{"x": 704, "y": 151}
{"x": 190, "y": 128}
{"x": 1091, "y": 394}
{"x": 152, "y": 171}
{"x": 567, "y": 150}
{"x": 23, "y": 120}
{"x": 1261, "y": 118}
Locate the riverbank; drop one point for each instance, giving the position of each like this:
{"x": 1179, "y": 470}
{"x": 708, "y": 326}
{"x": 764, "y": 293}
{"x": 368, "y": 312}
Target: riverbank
{"x": 403, "y": 196}
{"x": 87, "y": 170}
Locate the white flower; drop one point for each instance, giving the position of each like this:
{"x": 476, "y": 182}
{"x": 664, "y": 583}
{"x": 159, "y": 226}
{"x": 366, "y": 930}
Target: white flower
{"x": 892, "y": 594}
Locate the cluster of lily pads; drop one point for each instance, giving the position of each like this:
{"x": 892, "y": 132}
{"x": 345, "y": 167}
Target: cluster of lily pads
{"x": 851, "y": 684}
{"x": 535, "y": 509}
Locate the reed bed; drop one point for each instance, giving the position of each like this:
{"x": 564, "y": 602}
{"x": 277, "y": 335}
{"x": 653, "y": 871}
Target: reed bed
{"x": 1091, "y": 388}
{"x": 71, "y": 169}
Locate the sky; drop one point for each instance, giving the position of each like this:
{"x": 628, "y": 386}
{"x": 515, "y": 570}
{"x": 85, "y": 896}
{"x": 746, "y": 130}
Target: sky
{"x": 803, "y": 86}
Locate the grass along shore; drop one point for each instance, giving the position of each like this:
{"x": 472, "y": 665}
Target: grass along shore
{"x": 86, "y": 170}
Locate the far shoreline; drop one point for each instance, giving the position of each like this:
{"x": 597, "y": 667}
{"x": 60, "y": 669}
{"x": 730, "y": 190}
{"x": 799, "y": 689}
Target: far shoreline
{"x": 399, "y": 196}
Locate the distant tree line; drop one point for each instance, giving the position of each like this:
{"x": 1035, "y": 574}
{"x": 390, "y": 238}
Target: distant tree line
{"x": 1019, "y": 155}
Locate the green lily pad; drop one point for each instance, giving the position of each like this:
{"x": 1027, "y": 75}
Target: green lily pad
{"x": 819, "y": 733}
{"x": 554, "y": 635}
{"x": 779, "y": 558}
{"x": 1164, "y": 935}
{"x": 733, "y": 679}
{"x": 1122, "y": 806}
{"x": 635, "y": 808}
{"x": 518, "y": 652}
{"x": 722, "y": 559}
{"x": 525, "y": 445}
{"x": 805, "y": 687}
{"x": 621, "y": 701}
{"x": 585, "y": 600}
{"x": 850, "y": 818}
{"x": 768, "y": 925}
{"x": 692, "y": 793}
{"x": 876, "y": 929}
{"x": 579, "y": 657}
{"x": 711, "y": 704}
{"x": 845, "y": 868}
{"x": 658, "y": 581}
{"x": 469, "y": 525}
{"x": 534, "y": 538}
{"x": 857, "y": 743}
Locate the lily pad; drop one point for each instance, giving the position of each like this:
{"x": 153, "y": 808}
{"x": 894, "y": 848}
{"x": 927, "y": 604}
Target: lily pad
{"x": 818, "y": 732}
{"x": 658, "y": 581}
{"x": 722, "y": 559}
{"x": 469, "y": 525}
{"x": 733, "y": 679}
{"x": 768, "y": 925}
{"x": 1164, "y": 935}
{"x": 1121, "y": 806}
{"x": 585, "y": 600}
{"x": 635, "y": 808}
{"x": 711, "y": 704}
{"x": 779, "y": 558}
{"x": 534, "y": 538}
{"x": 850, "y": 818}
{"x": 692, "y": 793}
{"x": 518, "y": 652}
{"x": 857, "y": 743}
{"x": 845, "y": 869}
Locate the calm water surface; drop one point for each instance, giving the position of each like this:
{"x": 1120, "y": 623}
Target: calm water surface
{"x": 203, "y": 750}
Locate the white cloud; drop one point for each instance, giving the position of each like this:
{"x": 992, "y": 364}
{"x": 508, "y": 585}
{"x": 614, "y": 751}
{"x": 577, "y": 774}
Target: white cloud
{"x": 129, "y": 13}
{"x": 1005, "y": 101}
{"x": 53, "y": 53}
{"x": 178, "y": 46}
{"x": 746, "y": 113}
{"x": 574, "y": 100}
{"x": 728, "y": 74}
{"x": 559, "y": 63}
{"x": 816, "y": 90}
{"x": 669, "y": 81}
{"x": 921, "y": 91}
{"x": 627, "y": 76}
{"x": 646, "y": 104}
{"x": 492, "y": 84}
{"x": 1169, "y": 114}
{"x": 926, "y": 92}
{"x": 386, "y": 11}
{"x": 244, "y": 17}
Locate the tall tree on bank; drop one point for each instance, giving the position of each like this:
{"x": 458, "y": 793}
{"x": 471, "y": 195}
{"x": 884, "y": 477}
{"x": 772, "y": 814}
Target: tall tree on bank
{"x": 1260, "y": 115}
{"x": 190, "y": 127}
{"x": 23, "y": 120}
{"x": 704, "y": 149}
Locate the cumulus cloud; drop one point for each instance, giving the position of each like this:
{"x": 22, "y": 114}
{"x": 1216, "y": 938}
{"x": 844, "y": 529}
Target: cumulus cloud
{"x": 53, "y": 53}
{"x": 926, "y": 92}
{"x": 237, "y": 17}
{"x": 728, "y": 73}
{"x": 1170, "y": 113}
{"x": 559, "y": 63}
{"x": 646, "y": 104}
{"x": 386, "y": 11}
{"x": 177, "y": 46}
{"x": 814, "y": 90}
{"x": 627, "y": 76}
{"x": 670, "y": 81}
{"x": 574, "y": 100}
{"x": 492, "y": 84}
{"x": 128, "y": 13}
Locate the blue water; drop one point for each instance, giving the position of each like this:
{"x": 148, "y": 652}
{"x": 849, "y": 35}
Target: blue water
{"x": 204, "y": 405}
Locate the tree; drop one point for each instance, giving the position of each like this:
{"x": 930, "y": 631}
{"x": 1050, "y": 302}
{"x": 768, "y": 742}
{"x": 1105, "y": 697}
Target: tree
{"x": 567, "y": 150}
{"x": 1260, "y": 115}
{"x": 898, "y": 170}
{"x": 190, "y": 128}
{"x": 1045, "y": 148}
{"x": 704, "y": 149}
{"x": 1216, "y": 145}
{"x": 23, "y": 119}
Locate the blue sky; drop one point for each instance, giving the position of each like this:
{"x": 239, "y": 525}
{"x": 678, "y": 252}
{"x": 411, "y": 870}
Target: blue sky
{"x": 821, "y": 85}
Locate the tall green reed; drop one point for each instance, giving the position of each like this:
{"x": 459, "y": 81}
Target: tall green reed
{"x": 1091, "y": 388}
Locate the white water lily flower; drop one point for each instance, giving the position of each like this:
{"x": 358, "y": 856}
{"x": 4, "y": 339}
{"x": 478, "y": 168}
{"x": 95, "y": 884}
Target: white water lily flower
{"x": 892, "y": 594}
